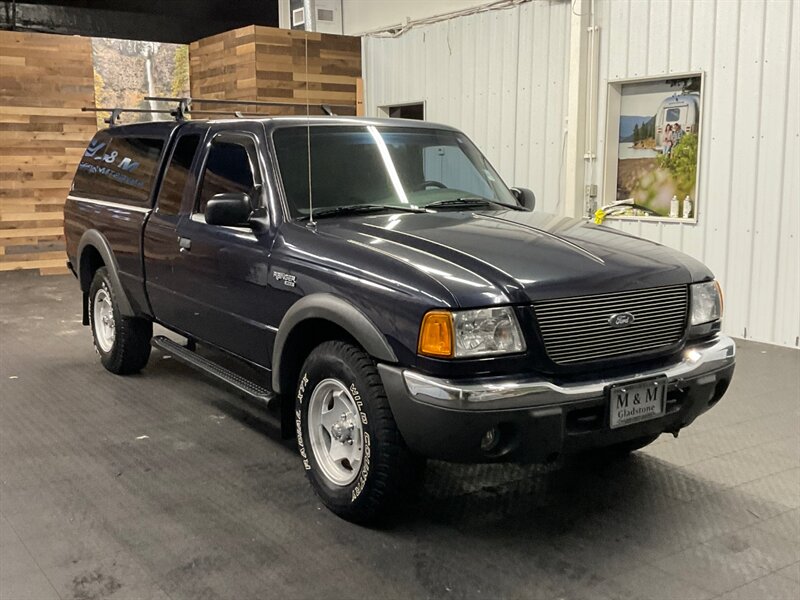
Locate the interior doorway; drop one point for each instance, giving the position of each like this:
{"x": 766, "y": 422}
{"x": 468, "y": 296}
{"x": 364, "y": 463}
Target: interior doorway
{"x": 411, "y": 110}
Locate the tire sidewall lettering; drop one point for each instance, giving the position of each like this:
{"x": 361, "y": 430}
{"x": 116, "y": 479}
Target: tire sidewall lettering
{"x": 361, "y": 480}
{"x": 357, "y": 398}
{"x": 301, "y": 446}
{"x": 301, "y": 388}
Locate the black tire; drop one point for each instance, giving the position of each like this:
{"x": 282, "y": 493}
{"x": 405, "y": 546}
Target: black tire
{"x": 130, "y": 349}
{"x": 387, "y": 470}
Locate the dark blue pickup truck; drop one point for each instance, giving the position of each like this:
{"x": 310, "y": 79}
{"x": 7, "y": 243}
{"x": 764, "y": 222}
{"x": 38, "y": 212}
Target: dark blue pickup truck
{"x": 396, "y": 300}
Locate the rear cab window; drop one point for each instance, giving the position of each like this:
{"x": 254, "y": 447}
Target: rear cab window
{"x": 119, "y": 168}
{"x": 173, "y": 184}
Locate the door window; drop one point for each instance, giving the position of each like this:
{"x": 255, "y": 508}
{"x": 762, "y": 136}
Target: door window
{"x": 174, "y": 183}
{"x": 228, "y": 169}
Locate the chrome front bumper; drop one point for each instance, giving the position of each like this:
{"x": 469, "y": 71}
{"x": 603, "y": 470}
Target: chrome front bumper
{"x": 699, "y": 363}
{"x": 537, "y": 419}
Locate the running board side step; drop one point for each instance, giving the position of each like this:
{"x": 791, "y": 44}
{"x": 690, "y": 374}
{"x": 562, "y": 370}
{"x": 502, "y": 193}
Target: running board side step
{"x": 213, "y": 370}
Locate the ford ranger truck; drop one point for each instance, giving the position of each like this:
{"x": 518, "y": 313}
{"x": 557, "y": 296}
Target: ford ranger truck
{"x": 394, "y": 300}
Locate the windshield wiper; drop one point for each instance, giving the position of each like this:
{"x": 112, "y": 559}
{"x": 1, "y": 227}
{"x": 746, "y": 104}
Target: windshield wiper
{"x": 471, "y": 200}
{"x": 357, "y": 208}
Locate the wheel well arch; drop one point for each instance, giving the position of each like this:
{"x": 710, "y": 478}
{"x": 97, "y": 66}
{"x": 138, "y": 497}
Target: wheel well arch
{"x": 94, "y": 252}
{"x": 303, "y": 338}
{"x": 90, "y": 261}
{"x": 315, "y": 319}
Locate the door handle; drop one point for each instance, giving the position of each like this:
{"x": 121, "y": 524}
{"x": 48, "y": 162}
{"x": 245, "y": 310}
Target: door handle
{"x": 184, "y": 244}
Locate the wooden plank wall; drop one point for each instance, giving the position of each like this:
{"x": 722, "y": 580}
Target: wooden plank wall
{"x": 264, "y": 63}
{"x": 46, "y": 79}
{"x": 44, "y": 82}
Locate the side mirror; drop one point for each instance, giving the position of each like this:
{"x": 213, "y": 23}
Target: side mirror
{"x": 230, "y": 209}
{"x": 525, "y": 197}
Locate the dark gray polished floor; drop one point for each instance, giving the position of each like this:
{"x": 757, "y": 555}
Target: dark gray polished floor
{"x": 164, "y": 486}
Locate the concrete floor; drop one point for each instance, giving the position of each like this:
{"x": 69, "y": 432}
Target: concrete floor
{"x": 162, "y": 485}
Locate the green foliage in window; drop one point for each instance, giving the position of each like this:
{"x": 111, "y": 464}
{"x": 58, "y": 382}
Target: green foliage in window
{"x": 682, "y": 165}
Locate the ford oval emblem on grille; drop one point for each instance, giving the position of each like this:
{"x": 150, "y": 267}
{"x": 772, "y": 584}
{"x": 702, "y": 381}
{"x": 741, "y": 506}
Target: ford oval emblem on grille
{"x": 622, "y": 319}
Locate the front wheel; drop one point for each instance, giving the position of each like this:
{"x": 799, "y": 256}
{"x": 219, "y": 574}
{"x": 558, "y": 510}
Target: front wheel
{"x": 123, "y": 343}
{"x": 353, "y": 453}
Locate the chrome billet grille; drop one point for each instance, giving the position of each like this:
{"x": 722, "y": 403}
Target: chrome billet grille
{"x": 577, "y": 330}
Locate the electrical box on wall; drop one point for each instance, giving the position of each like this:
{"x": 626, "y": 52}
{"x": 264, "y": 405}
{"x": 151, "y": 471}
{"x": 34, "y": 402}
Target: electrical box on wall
{"x": 323, "y": 16}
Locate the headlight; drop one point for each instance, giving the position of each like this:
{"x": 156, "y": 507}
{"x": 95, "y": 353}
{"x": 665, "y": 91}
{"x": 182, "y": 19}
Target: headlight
{"x": 706, "y": 304}
{"x": 469, "y": 333}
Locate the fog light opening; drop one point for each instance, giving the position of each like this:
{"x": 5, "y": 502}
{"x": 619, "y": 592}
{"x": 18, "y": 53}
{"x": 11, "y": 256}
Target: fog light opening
{"x": 490, "y": 439}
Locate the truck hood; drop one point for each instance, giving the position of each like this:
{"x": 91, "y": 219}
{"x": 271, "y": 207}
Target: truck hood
{"x": 498, "y": 257}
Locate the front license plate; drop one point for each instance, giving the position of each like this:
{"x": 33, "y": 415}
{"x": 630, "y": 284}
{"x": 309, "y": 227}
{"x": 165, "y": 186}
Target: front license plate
{"x": 637, "y": 401}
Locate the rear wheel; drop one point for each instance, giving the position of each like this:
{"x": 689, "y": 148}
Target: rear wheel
{"x": 123, "y": 343}
{"x": 353, "y": 453}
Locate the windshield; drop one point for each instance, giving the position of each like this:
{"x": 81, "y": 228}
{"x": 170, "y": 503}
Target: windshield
{"x": 397, "y": 166}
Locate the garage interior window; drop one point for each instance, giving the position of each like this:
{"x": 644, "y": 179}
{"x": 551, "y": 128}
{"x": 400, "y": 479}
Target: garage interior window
{"x": 406, "y": 111}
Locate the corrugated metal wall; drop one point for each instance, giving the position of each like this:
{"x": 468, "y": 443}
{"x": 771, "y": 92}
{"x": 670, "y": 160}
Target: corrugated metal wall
{"x": 502, "y": 78}
{"x": 499, "y": 76}
{"x": 748, "y": 229}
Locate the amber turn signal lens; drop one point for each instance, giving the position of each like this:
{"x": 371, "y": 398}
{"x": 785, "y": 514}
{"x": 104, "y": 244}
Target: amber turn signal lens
{"x": 436, "y": 334}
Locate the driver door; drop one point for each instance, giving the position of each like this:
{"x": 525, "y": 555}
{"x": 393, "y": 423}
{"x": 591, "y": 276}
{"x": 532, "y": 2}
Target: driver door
{"x": 222, "y": 271}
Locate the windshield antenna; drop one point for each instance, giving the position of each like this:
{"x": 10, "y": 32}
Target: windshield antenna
{"x": 311, "y": 222}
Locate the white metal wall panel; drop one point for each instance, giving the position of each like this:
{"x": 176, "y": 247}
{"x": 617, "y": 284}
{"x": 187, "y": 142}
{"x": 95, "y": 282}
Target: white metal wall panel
{"x": 542, "y": 102}
{"x": 502, "y": 78}
{"x": 786, "y": 281}
{"x": 748, "y": 219}
{"x": 499, "y": 76}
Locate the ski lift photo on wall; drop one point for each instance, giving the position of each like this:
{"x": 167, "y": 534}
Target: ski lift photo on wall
{"x": 653, "y": 148}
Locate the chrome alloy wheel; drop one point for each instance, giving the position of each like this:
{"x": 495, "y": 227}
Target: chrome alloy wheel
{"x": 103, "y": 319}
{"x": 335, "y": 431}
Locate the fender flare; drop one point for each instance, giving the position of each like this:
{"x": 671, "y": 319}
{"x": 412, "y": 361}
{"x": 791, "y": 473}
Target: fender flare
{"x": 98, "y": 241}
{"x": 336, "y": 310}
